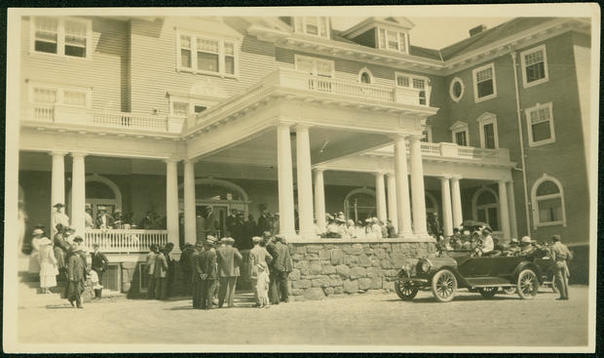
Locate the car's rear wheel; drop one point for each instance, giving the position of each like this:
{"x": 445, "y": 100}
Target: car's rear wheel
{"x": 528, "y": 284}
{"x": 444, "y": 285}
{"x": 488, "y": 292}
{"x": 405, "y": 290}
{"x": 510, "y": 290}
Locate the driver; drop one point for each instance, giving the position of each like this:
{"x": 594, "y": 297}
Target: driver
{"x": 526, "y": 246}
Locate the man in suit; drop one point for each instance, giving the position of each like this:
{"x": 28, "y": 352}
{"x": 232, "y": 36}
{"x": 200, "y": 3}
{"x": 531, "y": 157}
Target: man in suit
{"x": 196, "y": 273}
{"x": 99, "y": 265}
{"x": 161, "y": 276}
{"x": 271, "y": 248}
{"x": 76, "y": 273}
{"x": 104, "y": 221}
{"x": 150, "y": 270}
{"x": 560, "y": 254}
{"x": 283, "y": 266}
{"x": 208, "y": 272}
{"x": 229, "y": 259}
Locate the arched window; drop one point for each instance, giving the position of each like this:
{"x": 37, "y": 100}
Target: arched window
{"x": 359, "y": 204}
{"x": 365, "y": 76}
{"x": 548, "y": 202}
{"x": 485, "y": 207}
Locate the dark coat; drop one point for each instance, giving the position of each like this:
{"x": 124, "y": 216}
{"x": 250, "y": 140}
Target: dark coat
{"x": 228, "y": 259}
{"x": 283, "y": 261}
{"x": 161, "y": 266}
{"x": 208, "y": 264}
{"x": 99, "y": 261}
{"x": 196, "y": 268}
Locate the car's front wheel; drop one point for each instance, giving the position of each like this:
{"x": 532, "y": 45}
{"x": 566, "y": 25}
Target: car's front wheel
{"x": 528, "y": 284}
{"x": 444, "y": 285}
{"x": 488, "y": 292}
{"x": 405, "y": 290}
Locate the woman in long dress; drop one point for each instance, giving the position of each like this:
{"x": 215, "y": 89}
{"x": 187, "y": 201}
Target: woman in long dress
{"x": 48, "y": 266}
{"x": 34, "y": 259}
{"x": 258, "y": 256}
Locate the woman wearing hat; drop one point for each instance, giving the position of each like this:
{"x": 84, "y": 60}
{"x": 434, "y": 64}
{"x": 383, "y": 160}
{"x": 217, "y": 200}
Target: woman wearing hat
{"x": 259, "y": 256}
{"x": 58, "y": 217}
{"x": 34, "y": 257}
{"x": 48, "y": 266}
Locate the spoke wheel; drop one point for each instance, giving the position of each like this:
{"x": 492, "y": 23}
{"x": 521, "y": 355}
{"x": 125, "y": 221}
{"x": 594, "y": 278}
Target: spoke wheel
{"x": 509, "y": 290}
{"x": 444, "y": 285}
{"x": 528, "y": 285}
{"x": 405, "y": 290}
{"x": 488, "y": 292}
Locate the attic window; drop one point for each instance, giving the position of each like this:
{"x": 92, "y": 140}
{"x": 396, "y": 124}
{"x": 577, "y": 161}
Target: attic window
{"x": 392, "y": 40}
{"x": 312, "y": 25}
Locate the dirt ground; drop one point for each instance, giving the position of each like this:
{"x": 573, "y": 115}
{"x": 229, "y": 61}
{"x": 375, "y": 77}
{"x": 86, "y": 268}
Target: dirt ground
{"x": 369, "y": 319}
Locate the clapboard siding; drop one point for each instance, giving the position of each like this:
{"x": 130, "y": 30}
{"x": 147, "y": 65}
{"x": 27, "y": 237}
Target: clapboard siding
{"x": 151, "y": 80}
{"x": 105, "y": 72}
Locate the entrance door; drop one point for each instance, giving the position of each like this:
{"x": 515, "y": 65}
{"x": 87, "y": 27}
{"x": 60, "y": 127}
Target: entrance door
{"x": 213, "y": 219}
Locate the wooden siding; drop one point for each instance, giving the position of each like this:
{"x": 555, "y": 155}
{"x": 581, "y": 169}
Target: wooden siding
{"x": 152, "y": 80}
{"x": 105, "y": 71}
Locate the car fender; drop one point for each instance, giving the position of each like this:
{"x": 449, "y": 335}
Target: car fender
{"x": 461, "y": 281}
{"x": 528, "y": 265}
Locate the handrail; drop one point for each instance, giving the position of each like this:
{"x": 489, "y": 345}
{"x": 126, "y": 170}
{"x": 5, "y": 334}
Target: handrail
{"x": 124, "y": 240}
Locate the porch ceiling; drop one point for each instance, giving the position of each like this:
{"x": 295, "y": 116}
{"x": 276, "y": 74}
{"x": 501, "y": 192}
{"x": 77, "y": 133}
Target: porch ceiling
{"x": 325, "y": 144}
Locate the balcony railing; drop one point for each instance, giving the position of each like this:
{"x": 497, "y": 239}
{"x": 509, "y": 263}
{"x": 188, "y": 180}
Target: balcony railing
{"x": 454, "y": 151}
{"x": 124, "y": 241}
{"x": 44, "y": 113}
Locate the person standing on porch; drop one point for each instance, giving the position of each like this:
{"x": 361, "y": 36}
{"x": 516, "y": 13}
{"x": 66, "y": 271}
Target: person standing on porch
{"x": 58, "y": 217}
{"x": 208, "y": 273}
{"x": 98, "y": 265}
{"x": 150, "y": 270}
{"x": 48, "y": 266}
{"x": 88, "y": 222}
{"x": 229, "y": 259}
{"x": 283, "y": 265}
{"x": 161, "y": 276}
{"x": 560, "y": 254}
{"x": 34, "y": 256}
{"x": 104, "y": 221}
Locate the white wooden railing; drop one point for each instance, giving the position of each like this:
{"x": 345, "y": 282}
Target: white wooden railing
{"x": 130, "y": 120}
{"x": 124, "y": 241}
{"x": 44, "y": 112}
{"x": 453, "y": 150}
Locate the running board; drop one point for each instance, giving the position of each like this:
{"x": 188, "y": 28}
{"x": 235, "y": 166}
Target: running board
{"x": 489, "y": 282}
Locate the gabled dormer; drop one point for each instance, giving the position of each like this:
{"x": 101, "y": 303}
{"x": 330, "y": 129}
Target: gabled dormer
{"x": 317, "y": 26}
{"x": 385, "y": 33}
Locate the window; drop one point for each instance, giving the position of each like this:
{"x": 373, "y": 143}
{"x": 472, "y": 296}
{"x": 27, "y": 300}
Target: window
{"x": 61, "y": 36}
{"x": 484, "y": 203}
{"x": 548, "y": 202}
{"x": 427, "y": 134}
{"x": 540, "y": 123}
{"x": 199, "y": 54}
{"x": 55, "y": 94}
{"x": 186, "y": 106}
{"x": 418, "y": 83}
{"x": 392, "y": 40}
{"x": 315, "y": 66}
{"x": 488, "y": 131}
{"x": 456, "y": 89}
{"x": 460, "y": 133}
{"x": 534, "y": 66}
{"x": 484, "y": 83}
{"x": 312, "y": 25}
{"x": 365, "y": 76}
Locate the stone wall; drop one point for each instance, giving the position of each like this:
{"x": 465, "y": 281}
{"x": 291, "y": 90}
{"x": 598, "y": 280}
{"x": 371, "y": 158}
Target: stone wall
{"x": 325, "y": 269}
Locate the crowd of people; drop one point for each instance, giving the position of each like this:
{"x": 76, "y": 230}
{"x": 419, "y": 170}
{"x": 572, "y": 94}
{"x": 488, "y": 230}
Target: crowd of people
{"x": 212, "y": 268}
{"x": 372, "y": 228}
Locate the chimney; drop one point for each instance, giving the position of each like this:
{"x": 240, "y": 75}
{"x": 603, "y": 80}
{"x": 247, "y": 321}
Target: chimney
{"x": 476, "y": 30}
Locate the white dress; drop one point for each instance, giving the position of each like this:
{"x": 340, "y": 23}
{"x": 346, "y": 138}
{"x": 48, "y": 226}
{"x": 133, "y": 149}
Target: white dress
{"x": 34, "y": 257}
{"x": 48, "y": 267}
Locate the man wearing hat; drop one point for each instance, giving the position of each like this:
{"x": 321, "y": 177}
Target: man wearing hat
{"x": 487, "y": 241}
{"x": 99, "y": 265}
{"x": 208, "y": 275}
{"x": 228, "y": 259}
{"x": 76, "y": 273}
{"x": 196, "y": 274}
{"x": 104, "y": 220}
{"x": 526, "y": 246}
{"x": 58, "y": 217}
{"x": 282, "y": 265}
{"x": 560, "y": 254}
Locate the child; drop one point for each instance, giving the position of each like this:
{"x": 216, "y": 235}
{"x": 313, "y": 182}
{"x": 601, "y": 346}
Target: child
{"x": 96, "y": 285}
{"x": 262, "y": 285}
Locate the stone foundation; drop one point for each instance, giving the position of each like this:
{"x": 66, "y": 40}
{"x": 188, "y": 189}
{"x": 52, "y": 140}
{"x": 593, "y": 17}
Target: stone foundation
{"x": 324, "y": 269}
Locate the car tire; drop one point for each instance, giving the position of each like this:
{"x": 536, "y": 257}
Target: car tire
{"x": 444, "y": 285}
{"x": 488, "y": 292}
{"x": 405, "y": 291}
{"x": 527, "y": 285}
{"x": 509, "y": 290}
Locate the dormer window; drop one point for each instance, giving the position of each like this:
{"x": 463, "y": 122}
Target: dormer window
{"x": 312, "y": 25}
{"x": 392, "y": 40}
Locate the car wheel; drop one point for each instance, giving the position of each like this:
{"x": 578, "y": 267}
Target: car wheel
{"x": 444, "y": 285}
{"x": 528, "y": 284}
{"x": 405, "y": 290}
{"x": 509, "y": 290}
{"x": 488, "y": 292}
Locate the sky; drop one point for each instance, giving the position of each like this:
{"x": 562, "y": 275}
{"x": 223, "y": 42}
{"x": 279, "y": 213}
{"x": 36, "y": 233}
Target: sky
{"x": 432, "y": 32}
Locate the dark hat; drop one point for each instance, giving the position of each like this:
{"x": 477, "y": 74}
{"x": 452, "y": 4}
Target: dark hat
{"x": 487, "y": 230}
{"x": 556, "y": 237}
{"x": 78, "y": 239}
{"x": 58, "y": 205}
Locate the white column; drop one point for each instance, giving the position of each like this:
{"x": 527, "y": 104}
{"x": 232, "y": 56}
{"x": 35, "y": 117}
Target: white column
{"x": 78, "y": 193}
{"x": 512, "y": 208}
{"x": 380, "y": 196}
{"x": 189, "y": 203}
{"x": 304, "y": 175}
{"x": 445, "y": 188}
{"x": 320, "y": 198}
{"x": 57, "y": 192}
{"x": 403, "y": 206}
{"x": 286, "y": 181}
{"x": 504, "y": 211}
{"x": 391, "y": 187}
{"x": 418, "y": 194}
{"x": 456, "y": 201}
{"x": 172, "y": 202}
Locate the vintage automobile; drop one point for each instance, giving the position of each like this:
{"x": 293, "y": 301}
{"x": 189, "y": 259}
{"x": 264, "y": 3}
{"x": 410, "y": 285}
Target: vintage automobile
{"x": 446, "y": 273}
